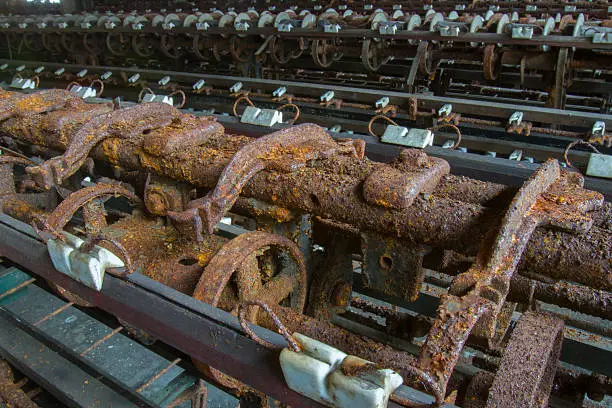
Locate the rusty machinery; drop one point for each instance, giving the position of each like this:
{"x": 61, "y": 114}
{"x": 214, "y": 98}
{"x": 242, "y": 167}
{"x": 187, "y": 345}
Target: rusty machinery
{"x": 198, "y": 228}
{"x": 332, "y": 244}
{"x": 543, "y": 52}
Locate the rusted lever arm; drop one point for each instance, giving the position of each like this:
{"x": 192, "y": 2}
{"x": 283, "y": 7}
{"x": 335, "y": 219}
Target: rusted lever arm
{"x": 63, "y": 213}
{"x": 285, "y": 150}
{"x": 474, "y": 303}
{"x": 125, "y": 123}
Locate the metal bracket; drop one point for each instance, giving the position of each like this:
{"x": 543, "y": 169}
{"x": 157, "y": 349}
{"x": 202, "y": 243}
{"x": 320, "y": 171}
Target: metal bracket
{"x": 242, "y": 26}
{"x": 445, "y": 110}
{"x": 261, "y": 117}
{"x": 149, "y": 97}
{"x": 237, "y": 87}
{"x": 522, "y": 31}
{"x": 285, "y": 27}
{"x": 279, "y": 92}
{"x": 516, "y": 155}
{"x": 602, "y": 38}
{"x": 600, "y": 165}
{"x": 598, "y": 129}
{"x": 390, "y": 27}
{"x": 419, "y": 138}
{"x": 382, "y": 102}
{"x": 327, "y": 96}
{"x": 332, "y": 28}
{"x": 318, "y": 372}
{"x": 85, "y": 267}
{"x": 516, "y": 118}
{"x": 23, "y": 83}
{"x": 449, "y": 29}
{"x": 83, "y": 91}
{"x": 199, "y": 84}
{"x": 202, "y": 26}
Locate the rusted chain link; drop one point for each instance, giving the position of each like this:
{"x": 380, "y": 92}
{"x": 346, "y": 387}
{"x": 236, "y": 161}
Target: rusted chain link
{"x": 245, "y": 98}
{"x": 573, "y": 144}
{"x": 374, "y": 119}
{"x": 97, "y": 81}
{"x": 71, "y": 84}
{"x": 297, "y": 112}
{"x": 242, "y": 311}
{"x": 184, "y": 98}
{"x": 141, "y": 94}
{"x": 455, "y": 128}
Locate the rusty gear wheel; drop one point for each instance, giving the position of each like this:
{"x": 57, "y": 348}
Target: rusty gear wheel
{"x": 491, "y": 63}
{"x": 255, "y": 265}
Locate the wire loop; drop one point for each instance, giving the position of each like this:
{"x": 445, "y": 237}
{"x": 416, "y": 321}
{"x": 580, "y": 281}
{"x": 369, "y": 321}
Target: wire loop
{"x": 242, "y": 311}
{"x": 374, "y": 119}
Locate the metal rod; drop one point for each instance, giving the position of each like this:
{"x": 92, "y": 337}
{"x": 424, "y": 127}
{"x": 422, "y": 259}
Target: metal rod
{"x": 102, "y": 340}
{"x": 16, "y": 288}
{"x": 159, "y": 374}
{"x": 54, "y": 313}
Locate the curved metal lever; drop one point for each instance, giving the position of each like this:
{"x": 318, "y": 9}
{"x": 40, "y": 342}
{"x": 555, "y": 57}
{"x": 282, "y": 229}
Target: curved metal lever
{"x": 285, "y": 150}
{"x": 124, "y": 123}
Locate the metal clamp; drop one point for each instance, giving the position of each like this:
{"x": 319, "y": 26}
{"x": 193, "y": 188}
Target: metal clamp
{"x": 242, "y": 26}
{"x": 199, "y": 84}
{"x": 83, "y": 91}
{"x": 285, "y": 27}
{"x": 87, "y": 267}
{"x": 335, "y": 379}
{"x": 23, "y": 83}
{"x": 598, "y": 129}
{"x": 516, "y": 118}
{"x": 327, "y": 96}
{"x": 164, "y": 81}
{"x": 382, "y": 102}
{"x": 332, "y": 28}
{"x": 400, "y": 135}
{"x": 202, "y": 26}
{"x": 237, "y": 87}
{"x": 279, "y": 92}
{"x": 445, "y": 110}
{"x": 449, "y": 29}
{"x": 150, "y": 97}
{"x": 261, "y": 117}
{"x": 390, "y": 27}
{"x": 522, "y": 31}
{"x": 134, "y": 78}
